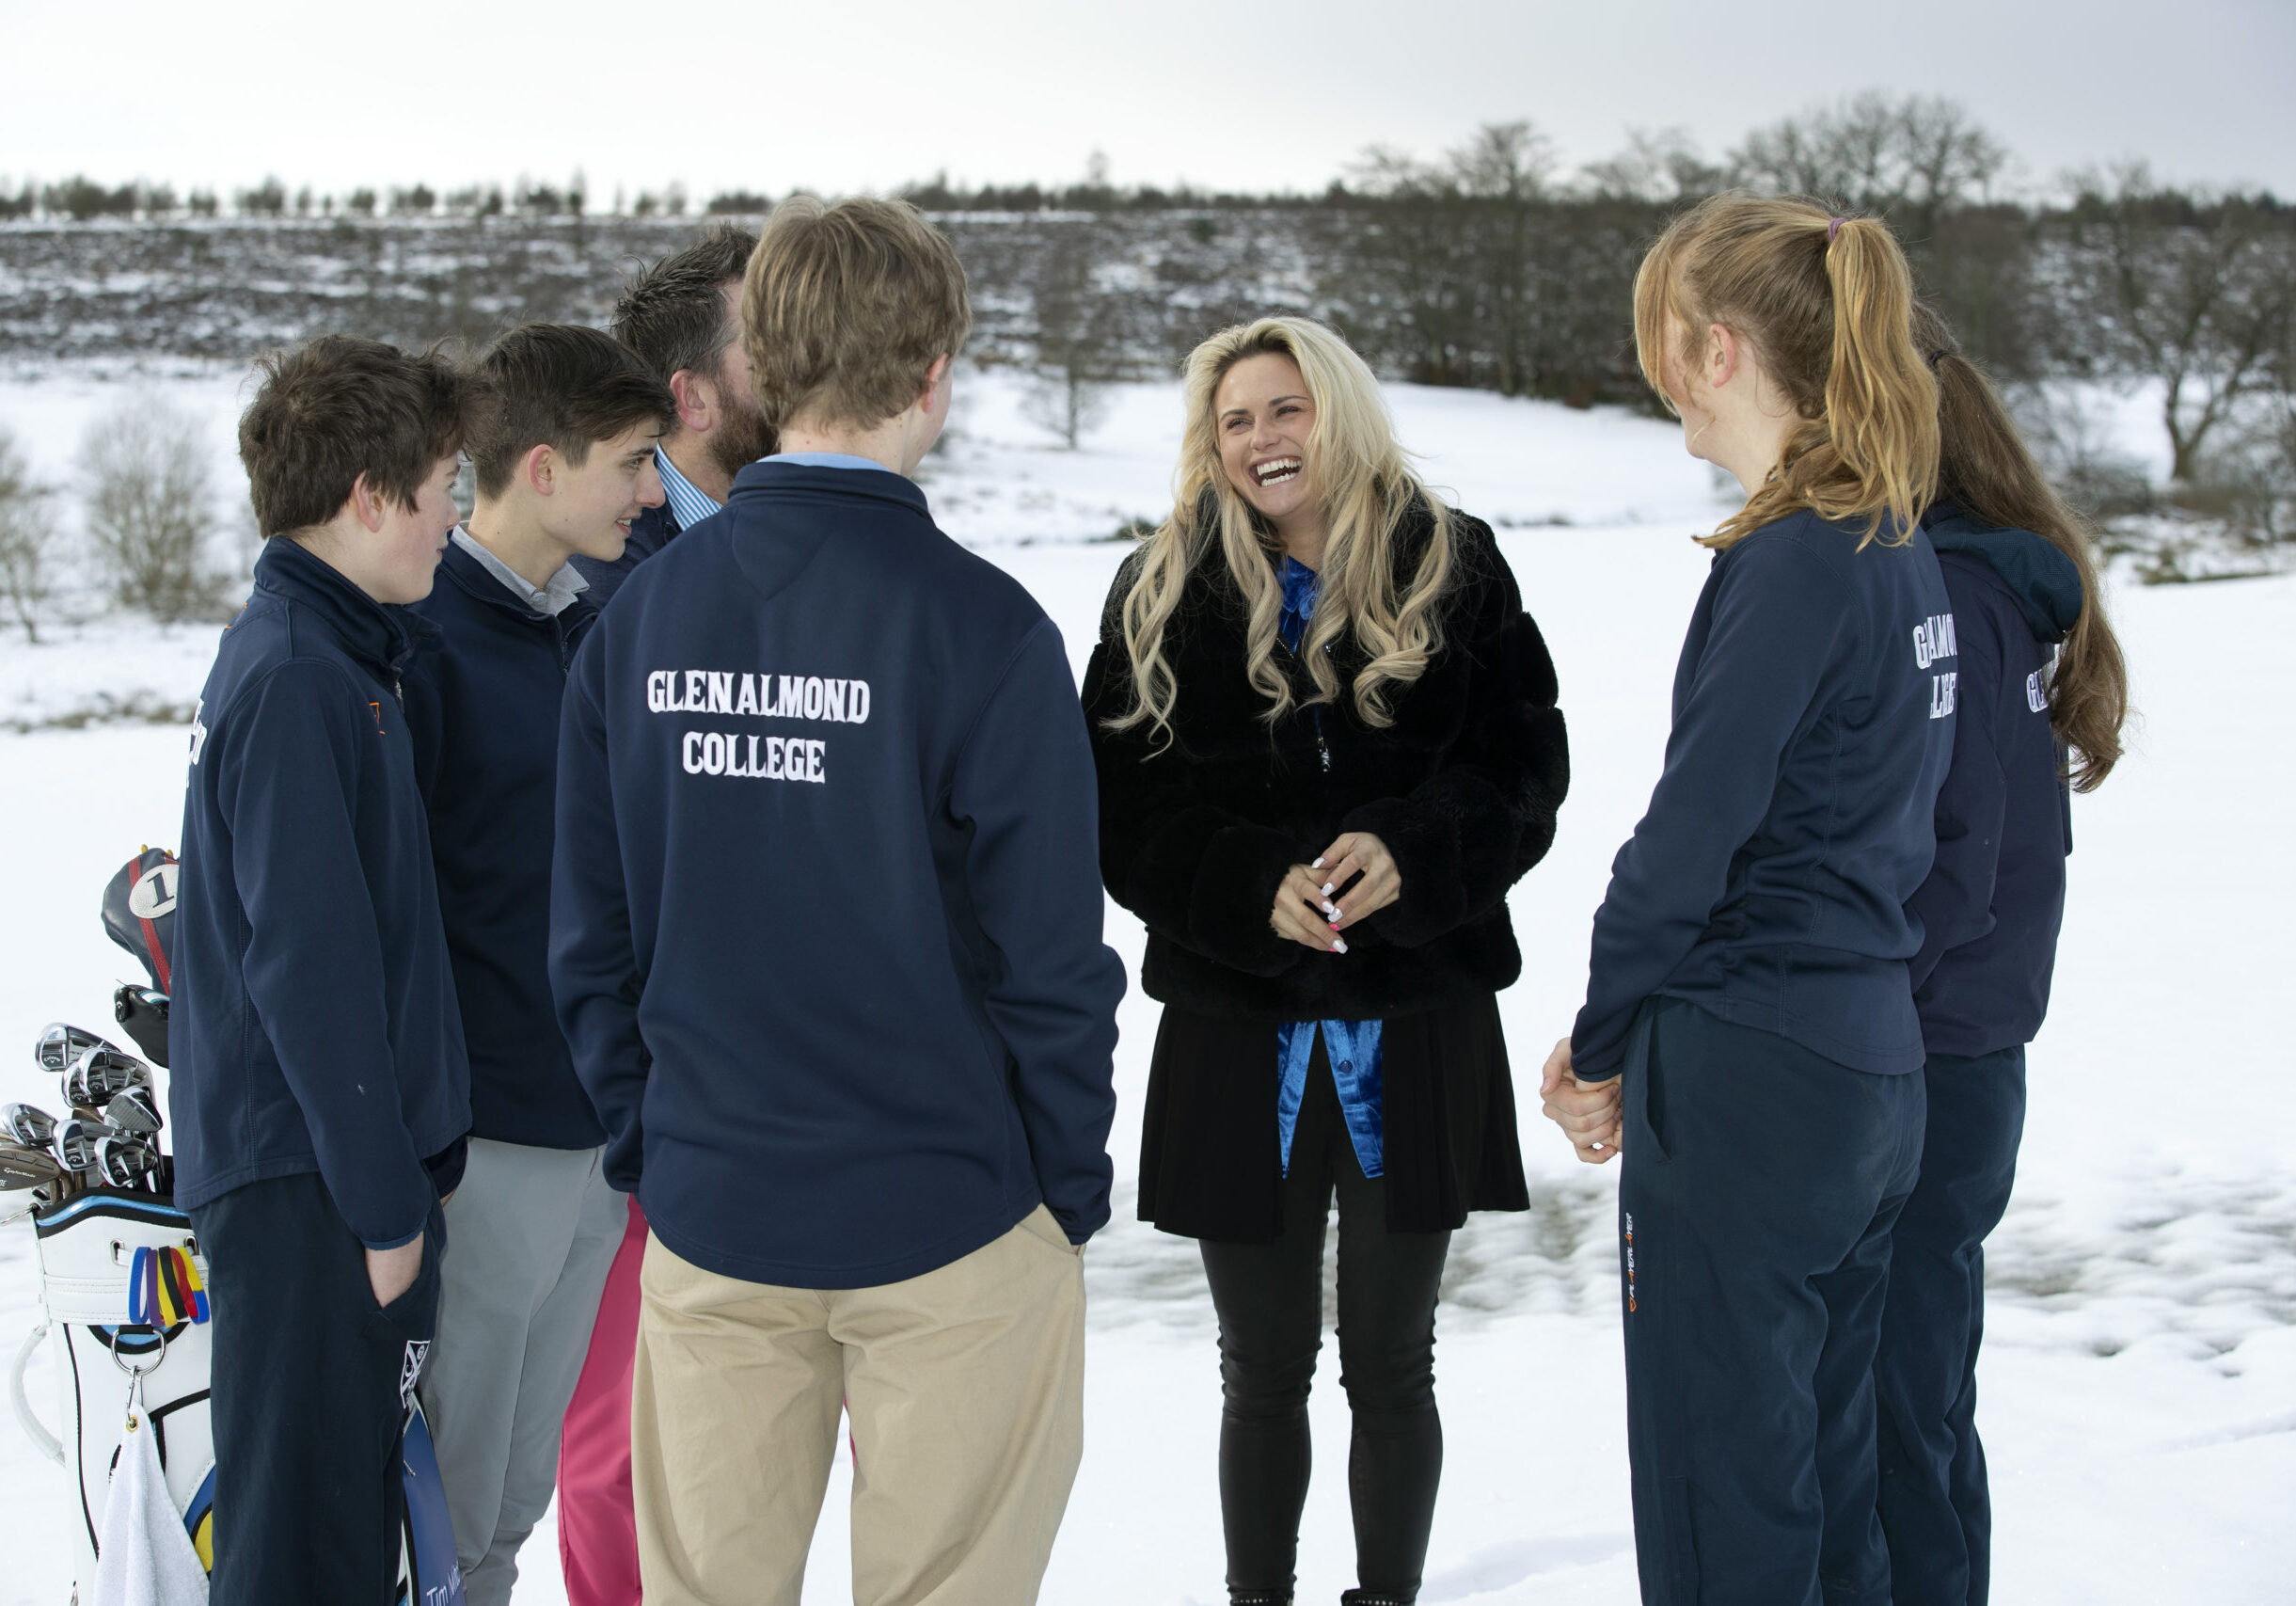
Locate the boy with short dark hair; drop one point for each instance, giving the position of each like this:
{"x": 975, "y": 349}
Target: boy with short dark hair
{"x": 683, "y": 318}
{"x": 320, "y": 1091}
{"x": 826, "y": 942}
{"x": 563, "y": 444}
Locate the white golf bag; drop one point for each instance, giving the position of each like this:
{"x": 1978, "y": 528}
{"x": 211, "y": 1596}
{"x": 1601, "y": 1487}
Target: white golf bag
{"x": 87, "y": 1247}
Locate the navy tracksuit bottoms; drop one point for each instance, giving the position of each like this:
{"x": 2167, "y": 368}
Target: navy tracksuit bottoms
{"x": 307, "y": 1394}
{"x": 1761, "y": 1183}
{"x": 1935, "y": 1509}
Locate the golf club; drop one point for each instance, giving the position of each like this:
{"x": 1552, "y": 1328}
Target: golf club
{"x": 77, "y": 1141}
{"x": 21, "y": 1166}
{"x": 133, "y": 1111}
{"x": 27, "y": 1124}
{"x": 102, "y": 1075}
{"x": 124, "y": 1162}
{"x": 61, "y": 1042}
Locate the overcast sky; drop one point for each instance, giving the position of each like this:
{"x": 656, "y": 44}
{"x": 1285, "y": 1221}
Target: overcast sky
{"x": 766, "y": 95}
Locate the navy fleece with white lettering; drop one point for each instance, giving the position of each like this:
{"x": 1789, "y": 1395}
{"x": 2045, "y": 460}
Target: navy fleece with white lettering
{"x": 826, "y": 903}
{"x": 1768, "y": 882}
{"x": 1992, "y": 905}
{"x": 314, "y": 1024}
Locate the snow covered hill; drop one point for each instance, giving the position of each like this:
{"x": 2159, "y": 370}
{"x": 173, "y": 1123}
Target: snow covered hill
{"x": 2140, "y": 1381}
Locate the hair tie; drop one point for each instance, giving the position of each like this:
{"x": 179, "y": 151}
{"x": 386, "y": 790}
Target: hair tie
{"x": 1940, "y": 355}
{"x": 1834, "y": 228}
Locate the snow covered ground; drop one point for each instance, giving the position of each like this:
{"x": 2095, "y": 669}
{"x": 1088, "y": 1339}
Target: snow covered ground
{"x": 2140, "y": 1378}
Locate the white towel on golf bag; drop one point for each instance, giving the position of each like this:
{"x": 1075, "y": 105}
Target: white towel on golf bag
{"x": 146, "y": 1558}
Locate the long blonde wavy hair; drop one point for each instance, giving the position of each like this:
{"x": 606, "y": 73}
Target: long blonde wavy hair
{"x": 1367, "y": 490}
{"x": 1825, "y": 301}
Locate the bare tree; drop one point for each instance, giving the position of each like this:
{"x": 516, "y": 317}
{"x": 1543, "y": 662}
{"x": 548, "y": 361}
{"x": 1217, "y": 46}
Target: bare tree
{"x": 27, "y": 538}
{"x": 152, "y": 508}
{"x": 2195, "y": 292}
{"x": 1657, "y": 168}
{"x": 1909, "y": 159}
{"x": 1078, "y": 340}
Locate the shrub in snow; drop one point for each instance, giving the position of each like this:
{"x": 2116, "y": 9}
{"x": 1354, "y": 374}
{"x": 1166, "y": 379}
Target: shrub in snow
{"x": 28, "y": 540}
{"x": 151, "y": 509}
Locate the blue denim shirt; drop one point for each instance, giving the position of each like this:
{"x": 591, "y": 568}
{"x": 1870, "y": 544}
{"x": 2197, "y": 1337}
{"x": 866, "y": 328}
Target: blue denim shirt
{"x": 1352, "y": 1046}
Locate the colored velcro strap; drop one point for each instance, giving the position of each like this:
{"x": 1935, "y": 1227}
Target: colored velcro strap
{"x": 164, "y": 1289}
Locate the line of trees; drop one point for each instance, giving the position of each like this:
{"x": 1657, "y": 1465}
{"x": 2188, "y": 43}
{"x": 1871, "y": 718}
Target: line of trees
{"x": 1488, "y": 265}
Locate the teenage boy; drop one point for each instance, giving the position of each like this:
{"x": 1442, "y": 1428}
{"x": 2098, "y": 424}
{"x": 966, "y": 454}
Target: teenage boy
{"x": 683, "y": 318}
{"x": 320, "y": 1092}
{"x": 826, "y": 941}
{"x": 562, "y": 443}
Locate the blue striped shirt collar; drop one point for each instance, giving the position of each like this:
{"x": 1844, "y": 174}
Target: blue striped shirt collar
{"x": 689, "y": 505}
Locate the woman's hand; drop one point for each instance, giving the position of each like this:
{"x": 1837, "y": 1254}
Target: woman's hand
{"x": 1299, "y": 913}
{"x": 1587, "y": 1113}
{"x": 1358, "y": 855}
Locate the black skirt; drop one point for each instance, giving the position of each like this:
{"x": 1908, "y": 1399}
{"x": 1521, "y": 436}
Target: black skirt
{"x": 1209, "y": 1164}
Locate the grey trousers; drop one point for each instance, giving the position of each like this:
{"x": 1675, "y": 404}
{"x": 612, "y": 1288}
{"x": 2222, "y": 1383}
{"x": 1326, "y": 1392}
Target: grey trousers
{"x": 531, "y": 1234}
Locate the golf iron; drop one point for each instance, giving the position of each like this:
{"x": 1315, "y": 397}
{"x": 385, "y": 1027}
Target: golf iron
{"x": 27, "y": 1124}
{"x": 61, "y": 1042}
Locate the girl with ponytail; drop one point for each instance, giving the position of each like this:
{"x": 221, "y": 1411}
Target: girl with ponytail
{"x": 2042, "y": 695}
{"x": 1749, "y": 1038}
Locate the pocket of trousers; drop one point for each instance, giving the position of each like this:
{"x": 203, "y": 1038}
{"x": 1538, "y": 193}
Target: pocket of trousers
{"x": 1041, "y": 1225}
{"x": 1645, "y": 1090}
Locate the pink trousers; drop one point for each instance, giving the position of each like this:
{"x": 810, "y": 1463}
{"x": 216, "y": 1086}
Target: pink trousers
{"x": 597, "y": 1528}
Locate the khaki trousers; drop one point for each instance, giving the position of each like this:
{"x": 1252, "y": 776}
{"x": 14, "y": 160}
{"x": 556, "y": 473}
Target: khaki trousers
{"x": 965, "y": 1390}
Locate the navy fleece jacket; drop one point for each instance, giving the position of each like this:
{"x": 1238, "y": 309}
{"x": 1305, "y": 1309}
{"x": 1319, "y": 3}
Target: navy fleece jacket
{"x": 1813, "y": 718}
{"x": 1992, "y": 906}
{"x": 314, "y": 1023}
{"x": 826, "y": 916}
{"x": 482, "y": 700}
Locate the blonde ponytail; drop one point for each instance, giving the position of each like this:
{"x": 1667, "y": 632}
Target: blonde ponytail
{"x": 1825, "y": 302}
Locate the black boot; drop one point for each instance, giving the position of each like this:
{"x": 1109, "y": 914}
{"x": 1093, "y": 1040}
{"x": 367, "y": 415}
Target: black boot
{"x": 1365, "y": 1597}
{"x": 1256, "y": 1597}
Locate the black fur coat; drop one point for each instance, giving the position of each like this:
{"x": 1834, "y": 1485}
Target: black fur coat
{"x": 1463, "y": 788}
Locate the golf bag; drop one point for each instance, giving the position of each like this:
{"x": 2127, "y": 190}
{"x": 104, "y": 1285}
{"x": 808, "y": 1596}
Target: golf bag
{"x": 87, "y": 1261}
{"x": 122, "y": 1290}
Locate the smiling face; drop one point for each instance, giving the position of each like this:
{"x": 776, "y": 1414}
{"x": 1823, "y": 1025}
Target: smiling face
{"x": 1263, "y": 417}
{"x": 591, "y": 504}
{"x": 399, "y": 562}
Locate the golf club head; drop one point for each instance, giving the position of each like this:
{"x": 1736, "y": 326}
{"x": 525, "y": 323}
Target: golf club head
{"x": 134, "y": 1111}
{"x": 77, "y": 1141}
{"x": 27, "y": 1124}
{"x": 124, "y": 1162}
{"x": 101, "y": 1074}
{"x": 61, "y": 1042}
{"x": 21, "y": 1166}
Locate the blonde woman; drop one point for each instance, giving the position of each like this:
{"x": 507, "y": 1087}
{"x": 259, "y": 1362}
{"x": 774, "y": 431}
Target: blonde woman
{"x": 1328, "y": 745}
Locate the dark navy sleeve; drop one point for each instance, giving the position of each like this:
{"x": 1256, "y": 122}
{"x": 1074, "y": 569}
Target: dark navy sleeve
{"x": 1023, "y": 782}
{"x": 1955, "y": 904}
{"x": 1778, "y": 621}
{"x": 290, "y": 753}
{"x": 594, "y": 963}
{"x": 1196, "y": 874}
{"x": 1473, "y": 829}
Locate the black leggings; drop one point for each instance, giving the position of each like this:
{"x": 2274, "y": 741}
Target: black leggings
{"x": 1270, "y": 1299}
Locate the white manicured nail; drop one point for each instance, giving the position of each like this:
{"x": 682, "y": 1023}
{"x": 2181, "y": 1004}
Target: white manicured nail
{"x": 1317, "y": 866}
{"x": 1326, "y": 889}
{"x": 1338, "y": 944}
